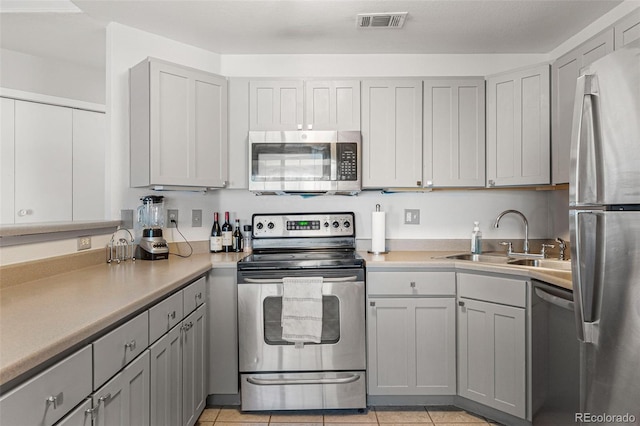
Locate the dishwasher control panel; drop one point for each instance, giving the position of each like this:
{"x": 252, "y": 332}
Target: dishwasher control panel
{"x": 296, "y": 225}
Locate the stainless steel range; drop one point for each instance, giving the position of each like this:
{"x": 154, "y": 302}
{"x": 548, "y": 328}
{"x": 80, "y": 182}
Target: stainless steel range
{"x": 301, "y": 314}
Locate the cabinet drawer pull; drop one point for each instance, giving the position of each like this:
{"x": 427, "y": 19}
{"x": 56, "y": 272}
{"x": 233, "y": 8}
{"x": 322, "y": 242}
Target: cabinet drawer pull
{"x": 172, "y": 315}
{"x": 52, "y": 400}
{"x": 199, "y": 295}
{"x": 131, "y": 345}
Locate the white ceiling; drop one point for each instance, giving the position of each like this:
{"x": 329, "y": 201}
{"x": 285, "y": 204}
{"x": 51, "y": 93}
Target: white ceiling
{"x": 306, "y": 26}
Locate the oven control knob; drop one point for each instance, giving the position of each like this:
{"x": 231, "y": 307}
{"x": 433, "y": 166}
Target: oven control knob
{"x": 326, "y": 224}
{"x": 270, "y": 225}
{"x": 336, "y": 224}
{"x": 346, "y": 224}
{"x": 259, "y": 225}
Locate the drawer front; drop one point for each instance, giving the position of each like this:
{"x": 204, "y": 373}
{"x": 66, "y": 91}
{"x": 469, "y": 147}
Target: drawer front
{"x": 115, "y": 350}
{"x": 164, "y": 316}
{"x": 411, "y": 283}
{"x": 506, "y": 291}
{"x": 46, "y": 398}
{"x": 194, "y": 295}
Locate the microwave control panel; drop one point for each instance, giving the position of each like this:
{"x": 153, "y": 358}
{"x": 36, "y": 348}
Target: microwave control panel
{"x": 347, "y": 161}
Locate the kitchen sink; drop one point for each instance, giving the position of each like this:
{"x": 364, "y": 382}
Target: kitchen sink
{"x": 484, "y": 258}
{"x": 561, "y": 265}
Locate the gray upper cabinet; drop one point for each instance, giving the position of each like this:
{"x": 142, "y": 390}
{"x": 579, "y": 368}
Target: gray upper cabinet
{"x": 391, "y": 133}
{"x": 332, "y": 105}
{"x": 310, "y": 104}
{"x": 518, "y": 131}
{"x": 565, "y": 70}
{"x": 178, "y": 126}
{"x": 627, "y": 29}
{"x": 275, "y": 104}
{"x": 454, "y": 135}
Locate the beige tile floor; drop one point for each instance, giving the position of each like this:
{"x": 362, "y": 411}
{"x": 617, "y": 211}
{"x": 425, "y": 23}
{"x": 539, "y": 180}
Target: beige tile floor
{"x": 374, "y": 416}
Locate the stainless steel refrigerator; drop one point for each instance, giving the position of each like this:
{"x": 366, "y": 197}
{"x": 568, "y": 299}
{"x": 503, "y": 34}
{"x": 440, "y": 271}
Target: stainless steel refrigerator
{"x": 604, "y": 194}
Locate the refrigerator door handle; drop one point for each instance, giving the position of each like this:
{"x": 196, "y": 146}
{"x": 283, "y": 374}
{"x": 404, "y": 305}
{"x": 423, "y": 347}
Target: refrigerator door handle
{"x": 584, "y": 230}
{"x": 583, "y": 188}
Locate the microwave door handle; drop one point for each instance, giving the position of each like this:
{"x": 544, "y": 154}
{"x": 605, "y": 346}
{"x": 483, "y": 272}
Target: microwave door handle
{"x": 334, "y": 162}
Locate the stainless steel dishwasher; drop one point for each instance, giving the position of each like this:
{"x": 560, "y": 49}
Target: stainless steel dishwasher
{"x": 555, "y": 357}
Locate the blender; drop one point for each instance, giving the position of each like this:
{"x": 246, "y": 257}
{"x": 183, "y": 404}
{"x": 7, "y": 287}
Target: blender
{"x": 151, "y": 218}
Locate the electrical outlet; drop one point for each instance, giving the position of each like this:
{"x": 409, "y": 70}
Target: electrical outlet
{"x": 412, "y": 216}
{"x": 196, "y": 218}
{"x": 172, "y": 215}
{"x": 84, "y": 243}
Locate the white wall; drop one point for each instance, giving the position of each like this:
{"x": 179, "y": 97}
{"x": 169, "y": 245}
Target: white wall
{"x": 20, "y": 71}
{"x": 373, "y": 65}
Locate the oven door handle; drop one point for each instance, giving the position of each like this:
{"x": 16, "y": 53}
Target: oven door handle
{"x": 283, "y": 382}
{"x": 279, "y": 281}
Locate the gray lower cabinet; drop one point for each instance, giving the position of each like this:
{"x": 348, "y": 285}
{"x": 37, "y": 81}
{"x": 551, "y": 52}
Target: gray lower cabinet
{"x": 194, "y": 366}
{"x": 81, "y": 416}
{"x": 46, "y": 398}
{"x": 178, "y": 367}
{"x": 222, "y": 318}
{"x": 411, "y": 329}
{"x": 411, "y": 346}
{"x": 492, "y": 336}
{"x": 166, "y": 379}
{"x": 124, "y": 400}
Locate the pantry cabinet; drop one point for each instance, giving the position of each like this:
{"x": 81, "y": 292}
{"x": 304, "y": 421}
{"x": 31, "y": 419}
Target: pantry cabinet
{"x": 492, "y": 357}
{"x": 304, "y": 104}
{"x": 453, "y": 133}
{"x": 411, "y": 333}
{"x": 178, "y": 126}
{"x": 565, "y": 71}
{"x": 52, "y": 167}
{"x": 391, "y": 133}
{"x": 518, "y": 131}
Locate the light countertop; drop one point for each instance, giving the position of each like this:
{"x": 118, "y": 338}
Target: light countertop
{"x": 45, "y": 319}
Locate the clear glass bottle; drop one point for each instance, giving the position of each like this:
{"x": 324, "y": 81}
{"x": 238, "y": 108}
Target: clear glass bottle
{"x": 247, "y": 245}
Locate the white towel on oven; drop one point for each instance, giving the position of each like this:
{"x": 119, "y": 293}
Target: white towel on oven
{"x": 302, "y": 309}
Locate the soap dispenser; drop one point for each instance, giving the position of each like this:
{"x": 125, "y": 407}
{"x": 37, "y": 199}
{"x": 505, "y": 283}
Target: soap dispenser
{"x": 476, "y": 239}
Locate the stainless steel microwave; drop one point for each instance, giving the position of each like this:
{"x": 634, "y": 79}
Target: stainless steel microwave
{"x": 311, "y": 161}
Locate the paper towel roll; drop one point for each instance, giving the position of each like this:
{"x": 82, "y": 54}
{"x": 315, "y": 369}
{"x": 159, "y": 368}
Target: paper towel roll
{"x": 377, "y": 232}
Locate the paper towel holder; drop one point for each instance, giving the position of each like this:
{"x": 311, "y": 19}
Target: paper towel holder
{"x": 378, "y": 252}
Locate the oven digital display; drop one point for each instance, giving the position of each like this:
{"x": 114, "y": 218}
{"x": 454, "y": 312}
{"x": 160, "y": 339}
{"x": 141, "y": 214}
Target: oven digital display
{"x": 299, "y": 225}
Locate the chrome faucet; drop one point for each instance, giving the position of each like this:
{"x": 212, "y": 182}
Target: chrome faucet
{"x": 526, "y": 227}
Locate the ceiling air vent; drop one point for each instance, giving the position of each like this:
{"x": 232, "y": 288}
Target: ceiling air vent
{"x": 381, "y": 20}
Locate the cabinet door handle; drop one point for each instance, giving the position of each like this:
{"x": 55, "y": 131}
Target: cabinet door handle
{"x": 492, "y": 183}
{"x": 412, "y": 284}
{"x": 419, "y": 183}
{"x": 104, "y": 398}
{"x": 199, "y": 295}
{"x": 172, "y": 315}
{"x": 460, "y": 303}
{"x": 372, "y": 304}
{"x": 131, "y": 345}
{"x": 52, "y": 400}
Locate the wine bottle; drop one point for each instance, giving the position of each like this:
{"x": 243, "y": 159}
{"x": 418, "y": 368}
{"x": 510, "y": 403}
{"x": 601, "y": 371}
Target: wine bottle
{"x": 237, "y": 237}
{"x": 227, "y": 231}
{"x": 215, "y": 241}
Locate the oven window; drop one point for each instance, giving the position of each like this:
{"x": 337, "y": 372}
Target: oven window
{"x": 272, "y": 309}
{"x": 291, "y": 162}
